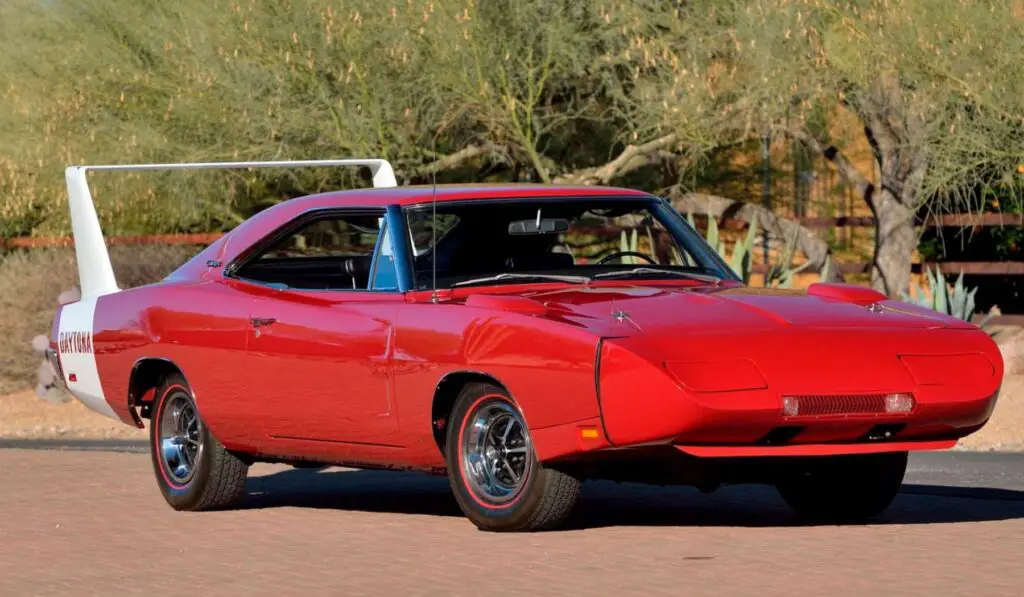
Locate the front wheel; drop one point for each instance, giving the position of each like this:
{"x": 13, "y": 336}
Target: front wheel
{"x": 844, "y": 488}
{"x": 194, "y": 471}
{"x": 493, "y": 469}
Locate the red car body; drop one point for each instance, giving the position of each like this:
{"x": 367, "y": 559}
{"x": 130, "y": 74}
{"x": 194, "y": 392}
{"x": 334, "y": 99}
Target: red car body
{"x": 353, "y": 377}
{"x": 607, "y": 371}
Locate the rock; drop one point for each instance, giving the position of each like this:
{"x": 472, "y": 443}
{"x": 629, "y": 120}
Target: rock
{"x": 40, "y": 343}
{"x": 1010, "y": 341}
{"x": 51, "y": 395}
{"x": 69, "y": 296}
{"x": 47, "y": 376}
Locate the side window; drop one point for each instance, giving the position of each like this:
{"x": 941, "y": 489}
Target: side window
{"x": 334, "y": 252}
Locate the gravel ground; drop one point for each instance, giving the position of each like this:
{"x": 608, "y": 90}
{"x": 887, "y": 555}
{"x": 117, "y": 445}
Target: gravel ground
{"x": 24, "y": 415}
{"x": 1005, "y": 430}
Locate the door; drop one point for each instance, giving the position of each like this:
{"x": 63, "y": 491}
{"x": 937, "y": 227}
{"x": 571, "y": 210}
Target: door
{"x": 322, "y": 363}
{"x": 320, "y": 332}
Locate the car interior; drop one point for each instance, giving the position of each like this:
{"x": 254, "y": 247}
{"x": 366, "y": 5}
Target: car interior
{"x": 471, "y": 240}
{"x": 490, "y": 238}
{"x": 335, "y": 252}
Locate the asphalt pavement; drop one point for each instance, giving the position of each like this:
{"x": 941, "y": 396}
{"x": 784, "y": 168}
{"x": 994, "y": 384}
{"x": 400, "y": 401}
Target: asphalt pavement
{"x": 86, "y": 518}
{"x": 989, "y": 475}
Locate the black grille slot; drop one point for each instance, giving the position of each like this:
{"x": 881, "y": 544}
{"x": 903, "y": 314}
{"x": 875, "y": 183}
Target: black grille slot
{"x": 779, "y": 436}
{"x": 882, "y": 432}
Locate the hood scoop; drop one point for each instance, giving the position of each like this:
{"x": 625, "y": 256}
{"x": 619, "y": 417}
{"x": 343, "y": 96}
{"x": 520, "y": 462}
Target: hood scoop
{"x": 513, "y": 304}
{"x": 846, "y": 292}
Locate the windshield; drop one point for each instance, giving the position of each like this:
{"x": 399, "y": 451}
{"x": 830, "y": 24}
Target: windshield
{"x": 539, "y": 239}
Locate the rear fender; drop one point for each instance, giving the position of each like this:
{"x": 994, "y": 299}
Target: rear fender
{"x": 76, "y": 356}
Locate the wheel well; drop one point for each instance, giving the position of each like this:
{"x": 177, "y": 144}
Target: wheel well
{"x": 146, "y": 376}
{"x": 445, "y": 395}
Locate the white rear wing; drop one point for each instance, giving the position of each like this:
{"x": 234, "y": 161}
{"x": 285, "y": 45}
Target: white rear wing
{"x": 96, "y": 274}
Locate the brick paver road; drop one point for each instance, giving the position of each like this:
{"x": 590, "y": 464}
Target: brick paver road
{"x": 81, "y": 523}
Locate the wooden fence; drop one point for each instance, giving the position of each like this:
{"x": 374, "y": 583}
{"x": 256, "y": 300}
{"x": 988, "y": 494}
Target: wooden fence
{"x": 1004, "y": 268}
{"x": 41, "y": 242}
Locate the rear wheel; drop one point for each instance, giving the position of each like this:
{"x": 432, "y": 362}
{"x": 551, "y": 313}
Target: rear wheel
{"x": 845, "y": 488}
{"x": 194, "y": 471}
{"x": 494, "y": 472}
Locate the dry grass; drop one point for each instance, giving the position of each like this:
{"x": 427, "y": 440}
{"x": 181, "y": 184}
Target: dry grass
{"x": 23, "y": 415}
{"x": 30, "y": 282}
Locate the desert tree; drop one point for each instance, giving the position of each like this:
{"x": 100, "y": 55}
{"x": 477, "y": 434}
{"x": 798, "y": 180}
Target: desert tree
{"x": 599, "y": 92}
{"x": 498, "y": 90}
{"x": 145, "y": 80}
{"x": 937, "y": 87}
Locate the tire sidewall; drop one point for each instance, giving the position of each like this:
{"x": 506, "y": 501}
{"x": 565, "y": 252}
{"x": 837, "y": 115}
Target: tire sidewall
{"x": 507, "y": 516}
{"x": 180, "y": 496}
{"x": 847, "y": 487}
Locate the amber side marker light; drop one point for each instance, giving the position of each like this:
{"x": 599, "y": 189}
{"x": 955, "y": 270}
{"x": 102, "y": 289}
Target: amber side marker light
{"x": 589, "y": 433}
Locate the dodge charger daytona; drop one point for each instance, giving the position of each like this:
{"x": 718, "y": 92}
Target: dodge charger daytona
{"x": 519, "y": 339}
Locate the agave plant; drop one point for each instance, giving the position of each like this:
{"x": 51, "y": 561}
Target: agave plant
{"x": 630, "y": 244}
{"x": 780, "y": 275}
{"x": 741, "y": 259}
{"x": 936, "y": 294}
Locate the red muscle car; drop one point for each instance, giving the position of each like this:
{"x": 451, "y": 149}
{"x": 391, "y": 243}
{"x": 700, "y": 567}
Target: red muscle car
{"x": 518, "y": 338}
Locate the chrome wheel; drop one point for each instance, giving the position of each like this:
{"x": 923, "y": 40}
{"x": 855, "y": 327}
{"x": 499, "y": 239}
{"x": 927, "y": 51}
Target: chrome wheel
{"x": 495, "y": 452}
{"x": 181, "y": 443}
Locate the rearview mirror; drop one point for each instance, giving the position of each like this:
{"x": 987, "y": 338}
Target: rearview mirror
{"x": 545, "y": 226}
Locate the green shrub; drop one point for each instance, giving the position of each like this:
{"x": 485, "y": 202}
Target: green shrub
{"x": 779, "y": 275}
{"x": 936, "y": 294}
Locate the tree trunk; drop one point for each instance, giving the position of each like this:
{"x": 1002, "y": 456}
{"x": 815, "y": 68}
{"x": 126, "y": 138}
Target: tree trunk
{"x": 901, "y": 172}
{"x": 895, "y": 241}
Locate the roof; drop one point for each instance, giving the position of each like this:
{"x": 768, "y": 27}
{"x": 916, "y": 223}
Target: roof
{"x": 420, "y": 194}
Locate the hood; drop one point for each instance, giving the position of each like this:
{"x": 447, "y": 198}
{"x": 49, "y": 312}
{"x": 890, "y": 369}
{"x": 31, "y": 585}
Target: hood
{"x": 628, "y": 309}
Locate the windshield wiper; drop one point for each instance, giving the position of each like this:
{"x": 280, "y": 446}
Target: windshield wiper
{"x": 653, "y": 270}
{"x": 501, "y": 277}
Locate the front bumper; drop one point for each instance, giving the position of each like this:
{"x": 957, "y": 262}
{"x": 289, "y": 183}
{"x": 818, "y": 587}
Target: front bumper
{"x": 645, "y": 401}
{"x": 796, "y": 450}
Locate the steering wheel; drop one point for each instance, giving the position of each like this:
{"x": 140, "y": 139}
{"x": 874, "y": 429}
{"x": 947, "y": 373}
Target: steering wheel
{"x": 621, "y": 254}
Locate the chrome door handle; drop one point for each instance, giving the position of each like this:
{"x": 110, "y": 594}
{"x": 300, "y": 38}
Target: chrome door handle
{"x": 261, "y": 322}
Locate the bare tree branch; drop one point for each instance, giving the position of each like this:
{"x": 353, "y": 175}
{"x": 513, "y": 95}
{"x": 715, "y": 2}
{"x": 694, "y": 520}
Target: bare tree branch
{"x": 455, "y": 160}
{"x": 862, "y": 186}
{"x": 631, "y": 158}
{"x": 809, "y": 243}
